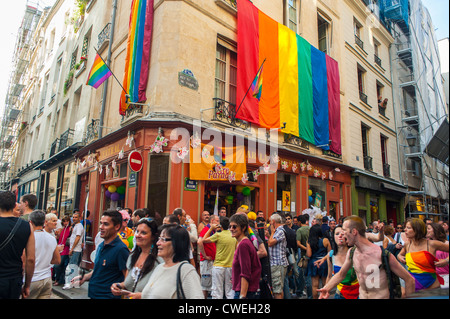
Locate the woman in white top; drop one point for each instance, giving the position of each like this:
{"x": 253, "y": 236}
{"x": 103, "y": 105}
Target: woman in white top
{"x": 173, "y": 248}
{"x": 141, "y": 262}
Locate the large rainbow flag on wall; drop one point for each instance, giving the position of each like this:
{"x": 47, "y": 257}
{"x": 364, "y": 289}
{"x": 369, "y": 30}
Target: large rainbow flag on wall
{"x": 301, "y": 84}
{"x": 137, "y": 60}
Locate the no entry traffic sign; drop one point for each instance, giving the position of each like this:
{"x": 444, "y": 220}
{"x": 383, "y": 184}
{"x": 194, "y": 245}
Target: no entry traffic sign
{"x": 135, "y": 161}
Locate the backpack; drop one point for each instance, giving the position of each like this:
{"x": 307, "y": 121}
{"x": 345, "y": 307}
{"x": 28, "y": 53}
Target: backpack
{"x": 395, "y": 288}
{"x": 291, "y": 238}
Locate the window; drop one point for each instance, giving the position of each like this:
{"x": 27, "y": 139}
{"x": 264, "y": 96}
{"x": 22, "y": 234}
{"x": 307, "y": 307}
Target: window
{"x": 44, "y": 93}
{"x": 225, "y": 85}
{"x": 361, "y": 86}
{"x": 384, "y": 156}
{"x": 158, "y": 184}
{"x": 292, "y": 15}
{"x": 358, "y": 33}
{"x": 86, "y": 40}
{"x": 73, "y": 60}
{"x": 56, "y": 77}
{"x": 365, "y": 147}
{"x": 376, "y": 47}
{"x": 382, "y": 101}
{"x": 323, "y": 26}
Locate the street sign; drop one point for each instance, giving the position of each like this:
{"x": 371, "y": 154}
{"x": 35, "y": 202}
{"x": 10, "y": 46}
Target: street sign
{"x": 135, "y": 161}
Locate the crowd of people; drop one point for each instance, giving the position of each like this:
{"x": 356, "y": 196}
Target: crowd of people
{"x": 243, "y": 256}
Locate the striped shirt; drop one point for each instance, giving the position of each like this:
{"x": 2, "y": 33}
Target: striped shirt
{"x": 278, "y": 251}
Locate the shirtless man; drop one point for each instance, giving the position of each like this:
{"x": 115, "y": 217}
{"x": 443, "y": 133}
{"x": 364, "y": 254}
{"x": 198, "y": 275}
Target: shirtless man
{"x": 366, "y": 262}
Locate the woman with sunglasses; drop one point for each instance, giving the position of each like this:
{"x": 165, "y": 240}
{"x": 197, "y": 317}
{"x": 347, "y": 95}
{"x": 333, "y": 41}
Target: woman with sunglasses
{"x": 141, "y": 262}
{"x": 246, "y": 268}
{"x": 173, "y": 248}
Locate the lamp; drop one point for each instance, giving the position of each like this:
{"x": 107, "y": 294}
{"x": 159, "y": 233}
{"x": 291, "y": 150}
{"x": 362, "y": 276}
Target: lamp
{"x": 411, "y": 139}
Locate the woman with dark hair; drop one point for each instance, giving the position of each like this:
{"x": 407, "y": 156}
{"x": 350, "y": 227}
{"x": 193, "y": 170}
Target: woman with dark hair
{"x": 419, "y": 254}
{"x": 141, "y": 262}
{"x": 436, "y": 231}
{"x": 349, "y": 287}
{"x": 317, "y": 247}
{"x": 176, "y": 277}
{"x": 64, "y": 234}
{"x": 246, "y": 268}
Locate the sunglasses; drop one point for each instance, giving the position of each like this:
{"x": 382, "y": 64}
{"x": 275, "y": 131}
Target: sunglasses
{"x": 164, "y": 239}
{"x": 233, "y": 226}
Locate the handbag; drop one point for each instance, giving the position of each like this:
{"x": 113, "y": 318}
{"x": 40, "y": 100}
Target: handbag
{"x": 303, "y": 262}
{"x": 180, "y": 292}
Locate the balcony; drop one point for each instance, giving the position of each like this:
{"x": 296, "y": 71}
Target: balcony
{"x": 368, "y": 163}
{"x": 132, "y": 113}
{"x": 363, "y": 97}
{"x": 386, "y": 170}
{"x": 65, "y": 140}
{"x": 382, "y": 110}
{"x": 228, "y": 5}
{"x": 359, "y": 42}
{"x": 225, "y": 112}
{"x": 53, "y": 148}
{"x": 377, "y": 60}
{"x": 294, "y": 140}
{"x": 103, "y": 37}
{"x": 92, "y": 132}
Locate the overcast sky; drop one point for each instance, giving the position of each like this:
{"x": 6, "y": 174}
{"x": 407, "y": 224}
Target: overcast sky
{"x": 11, "y": 16}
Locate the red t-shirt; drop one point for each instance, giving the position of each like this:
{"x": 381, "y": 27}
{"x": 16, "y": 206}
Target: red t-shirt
{"x": 210, "y": 248}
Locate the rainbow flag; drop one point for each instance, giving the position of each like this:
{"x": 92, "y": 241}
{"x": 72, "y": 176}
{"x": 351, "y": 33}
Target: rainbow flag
{"x": 421, "y": 267}
{"x": 257, "y": 84}
{"x": 301, "y": 83}
{"x": 137, "y": 60}
{"x": 99, "y": 73}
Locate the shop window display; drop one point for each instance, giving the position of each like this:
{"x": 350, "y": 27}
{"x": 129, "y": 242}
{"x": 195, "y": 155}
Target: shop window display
{"x": 115, "y": 195}
{"x": 286, "y": 191}
{"x": 230, "y": 196}
{"x": 317, "y": 193}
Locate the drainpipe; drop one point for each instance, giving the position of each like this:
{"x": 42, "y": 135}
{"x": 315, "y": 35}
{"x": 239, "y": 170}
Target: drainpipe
{"x": 108, "y": 61}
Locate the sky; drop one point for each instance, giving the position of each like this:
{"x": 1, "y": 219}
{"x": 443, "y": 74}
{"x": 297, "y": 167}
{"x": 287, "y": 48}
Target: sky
{"x": 11, "y": 18}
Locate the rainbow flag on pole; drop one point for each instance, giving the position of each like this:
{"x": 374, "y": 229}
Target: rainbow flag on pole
{"x": 99, "y": 72}
{"x": 257, "y": 84}
{"x": 137, "y": 60}
{"x": 301, "y": 83}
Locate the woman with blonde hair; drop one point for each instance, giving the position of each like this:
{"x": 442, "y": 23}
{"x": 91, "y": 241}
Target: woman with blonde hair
{"x": 420, "y": 255}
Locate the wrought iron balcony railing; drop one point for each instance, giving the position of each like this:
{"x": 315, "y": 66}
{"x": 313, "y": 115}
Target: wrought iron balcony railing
{"x": 92, "y": 131}
{"x": 225, "y": 112}
{"x": 65, "y": 139}
{"x": 386, "y": 170}
{"x": 368, "y": 163}
{"x": 363, "y": 97}
{"x": 294, "y": 140}
{"x": 359, "y": 42}
{"x": 377, "y": 60}
{"x": 104, "y": 36}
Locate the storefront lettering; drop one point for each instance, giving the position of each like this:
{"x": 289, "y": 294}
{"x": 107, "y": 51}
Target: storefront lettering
{"x": 219, "y": 172}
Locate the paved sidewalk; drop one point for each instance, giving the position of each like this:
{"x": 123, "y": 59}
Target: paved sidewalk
{"x": 73, "y": 293}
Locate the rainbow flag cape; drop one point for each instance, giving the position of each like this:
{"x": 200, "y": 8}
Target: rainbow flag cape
{"x": 301, "y": 83}
{"x": 137, "y": 60}
{"x": 421, "y": 267}
{"x": 99, "y": 73}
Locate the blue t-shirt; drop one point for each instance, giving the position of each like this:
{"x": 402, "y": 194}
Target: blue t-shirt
{"x": 110, "y": 261}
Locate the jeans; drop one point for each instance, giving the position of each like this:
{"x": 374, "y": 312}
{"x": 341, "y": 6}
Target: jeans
{"x": 60, "y": 269}
{"x": 11, "y": 288}
{"x": 250, "y": 295}
{"x": 305, "y": 281}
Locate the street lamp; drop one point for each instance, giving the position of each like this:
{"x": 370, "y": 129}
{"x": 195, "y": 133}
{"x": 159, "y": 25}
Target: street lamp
{"x": 411, "y": 139}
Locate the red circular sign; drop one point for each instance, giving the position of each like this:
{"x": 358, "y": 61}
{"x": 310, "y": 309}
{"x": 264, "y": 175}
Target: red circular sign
{"x": 135, "y": 161}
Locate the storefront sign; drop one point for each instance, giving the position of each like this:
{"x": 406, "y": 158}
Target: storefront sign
{"x": 209, "y": 163}
{"x": 135, "y": 161}
{"x": 190, "y": 185}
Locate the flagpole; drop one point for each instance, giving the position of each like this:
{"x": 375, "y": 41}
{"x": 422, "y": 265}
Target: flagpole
{"x": 249, "y": 87}
{"x": 111, "y": 71}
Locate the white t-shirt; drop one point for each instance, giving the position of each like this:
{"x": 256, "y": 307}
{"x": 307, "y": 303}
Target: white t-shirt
{"x": 45, "y": 245}
{"x": 77, "y": 230}
{"x": 163, "y": 283}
